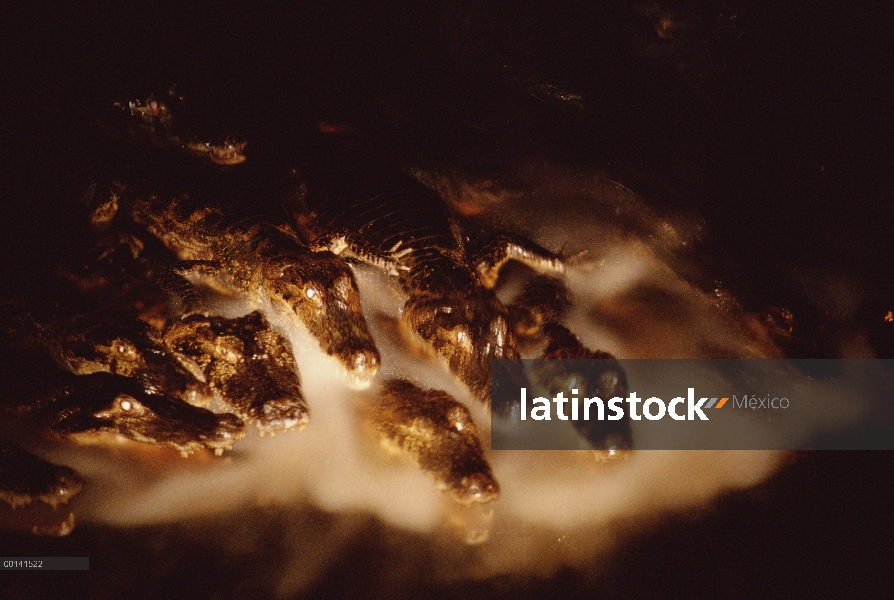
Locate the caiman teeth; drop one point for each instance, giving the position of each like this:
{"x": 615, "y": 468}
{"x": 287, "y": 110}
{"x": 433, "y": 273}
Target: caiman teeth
{"x": 361, "y": 367}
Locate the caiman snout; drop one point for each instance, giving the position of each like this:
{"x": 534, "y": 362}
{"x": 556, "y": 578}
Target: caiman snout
{"x": 362, "y": 365}
{"x": 364, "y": 362}
{"x": 229, "y": 428}
{"x": 477, "y": 487}
{"x": 322, "y": 293}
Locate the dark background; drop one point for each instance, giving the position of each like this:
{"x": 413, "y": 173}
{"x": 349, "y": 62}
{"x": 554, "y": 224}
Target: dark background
{"x": 771, "y": 122}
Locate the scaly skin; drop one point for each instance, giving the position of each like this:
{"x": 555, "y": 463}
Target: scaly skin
{"x": 92, "y": 342}
{"x": 245, "y": 362}
{"x": 394, "y": 222}
{"x": 315, "y": 290}
{"x": 438, "y": 434}
{"x": 101, "y": 405}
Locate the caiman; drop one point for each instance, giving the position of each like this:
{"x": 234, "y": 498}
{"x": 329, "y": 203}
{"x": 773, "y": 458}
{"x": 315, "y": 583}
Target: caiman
{"x": 152, "y": 118}
{"x": 95, "y": 406}
{"x": 438, "y": 434}
{"x": 257, "y": 259}
{"x": 242, "y": 362}
{"x": 26, "y": 481}
{"x": 536, "y": 315}
{"x": 356, "y": 209}
{"x": 25, "y": 478}
{"x": 245, "y": 362}
{"x": 89, "y": 341}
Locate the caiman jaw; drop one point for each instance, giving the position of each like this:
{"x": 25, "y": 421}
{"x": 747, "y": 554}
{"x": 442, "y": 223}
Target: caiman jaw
{"x": 362, "y": 367}
{"x": 108, "y": 404}
{"x": 25, "y": 478}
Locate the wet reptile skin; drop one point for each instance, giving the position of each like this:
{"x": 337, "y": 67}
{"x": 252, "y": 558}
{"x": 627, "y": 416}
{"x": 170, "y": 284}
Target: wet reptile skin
{"x": 246, "y": 363}
{"x": 98, "y": 405}
{"x": 438, "y": 434}
{"x": 383, "y": 217}
{"x": 316, "y": 290}
{"x": 95, "y": 342}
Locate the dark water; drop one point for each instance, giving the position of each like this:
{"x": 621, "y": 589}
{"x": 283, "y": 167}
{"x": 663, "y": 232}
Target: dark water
{"x": 770, "y": 124}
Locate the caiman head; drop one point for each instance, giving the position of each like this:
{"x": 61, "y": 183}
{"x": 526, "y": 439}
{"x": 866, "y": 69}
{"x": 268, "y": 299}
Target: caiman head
{"x": 466, "y": 328}
{"x": 572, "y": 365}
{"x": 320, "y": 290}
{"x": 130, "y": 348}
{"x": 247, "y": 363}
{"x": 438, "y": 433}
{"x": 103, "y": 403}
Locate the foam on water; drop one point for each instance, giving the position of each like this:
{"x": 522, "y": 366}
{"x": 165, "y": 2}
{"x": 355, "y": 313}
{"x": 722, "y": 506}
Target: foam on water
{"x": 555, "y": 508}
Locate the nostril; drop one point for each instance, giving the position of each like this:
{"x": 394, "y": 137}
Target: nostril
{"x": 365, "y": 360}
{"x": 479, "y": 487}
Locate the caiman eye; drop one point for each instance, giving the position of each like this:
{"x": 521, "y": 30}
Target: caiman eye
{"x": 314, "y": 296}
{"x": 122, "y": 347}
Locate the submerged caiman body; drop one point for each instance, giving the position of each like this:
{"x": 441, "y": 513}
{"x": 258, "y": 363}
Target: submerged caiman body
{"x": 25, "y": 478}
{"x": 32, "y": 489}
